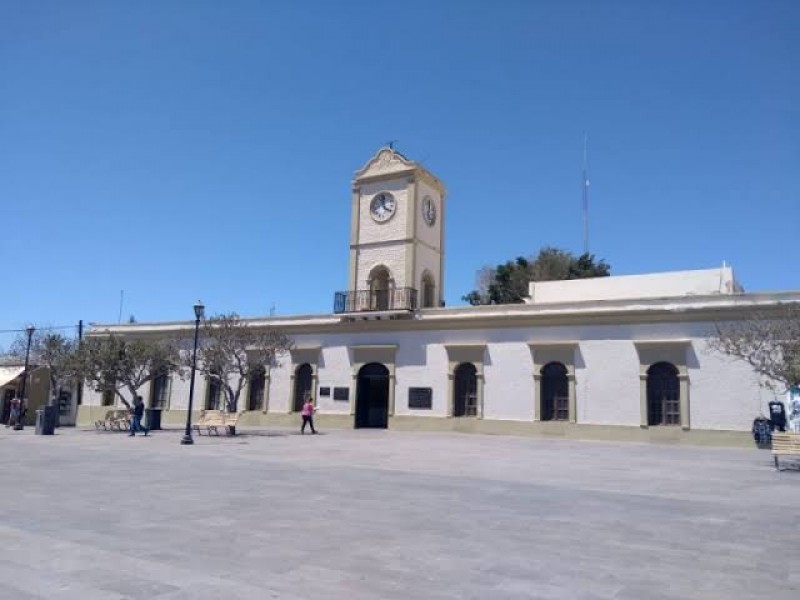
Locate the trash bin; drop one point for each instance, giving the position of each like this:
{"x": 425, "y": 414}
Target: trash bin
{"x": 46, "y": 420}
{"x": 152, "y": 418}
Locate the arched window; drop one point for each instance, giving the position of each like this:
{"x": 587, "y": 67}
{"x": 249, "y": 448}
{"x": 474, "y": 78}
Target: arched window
{"x": 554, "y": 392}
{"x": 214, "y": 395}
{"x": 380, "y": 283}
{"x": 108, "y": 397}
{"x": 303, "y": 381}
{"x": 255, "y": 388}
{"x": 465, "y": 402}
{"x": 428, "y": 290}
{"x": 663, "y": 395}
{"x": 159, "y": 391}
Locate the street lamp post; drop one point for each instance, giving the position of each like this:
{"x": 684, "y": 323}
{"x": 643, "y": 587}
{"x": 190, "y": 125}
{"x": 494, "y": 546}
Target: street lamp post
{"x": 199, "y": 309}
{"x": 18, "y": 426}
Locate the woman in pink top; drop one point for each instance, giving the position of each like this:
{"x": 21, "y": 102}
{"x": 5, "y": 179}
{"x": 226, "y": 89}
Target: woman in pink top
{"x": 308, "y": 415}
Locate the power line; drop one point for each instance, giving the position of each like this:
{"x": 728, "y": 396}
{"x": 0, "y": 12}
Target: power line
{"x": 53, "y": 328}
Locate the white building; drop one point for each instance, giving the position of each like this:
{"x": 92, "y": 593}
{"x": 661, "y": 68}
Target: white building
{"x": 613, "y": 358}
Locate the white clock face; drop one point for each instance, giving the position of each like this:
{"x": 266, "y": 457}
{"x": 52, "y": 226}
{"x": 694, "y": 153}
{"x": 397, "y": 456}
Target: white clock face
{"x": 429, "y": 210}
{"x": 382, "y": 207}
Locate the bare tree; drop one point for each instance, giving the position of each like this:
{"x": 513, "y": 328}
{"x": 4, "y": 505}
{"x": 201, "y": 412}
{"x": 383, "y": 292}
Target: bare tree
{"x": 232, "y": 350}
{"x": 769, "y": 341}
{"x": 109, "y": 362}
{"x": 52, "y": 350}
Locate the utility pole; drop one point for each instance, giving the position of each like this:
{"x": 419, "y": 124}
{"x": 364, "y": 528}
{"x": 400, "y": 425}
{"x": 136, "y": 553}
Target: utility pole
{"x": 585, "y": 186}
{"x": 79, "y": 399}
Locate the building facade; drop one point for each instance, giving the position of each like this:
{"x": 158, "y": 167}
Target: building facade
{"x": 611, "y": 358}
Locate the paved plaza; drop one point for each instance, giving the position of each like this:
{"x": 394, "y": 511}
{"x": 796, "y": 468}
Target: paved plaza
{"x": 382, "y": 514}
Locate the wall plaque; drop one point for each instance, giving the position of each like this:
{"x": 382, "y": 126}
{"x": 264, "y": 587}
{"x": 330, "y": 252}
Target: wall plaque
{"x": 341, "y": 393}
{"x": 324, "y": 391}
{"x": 420, "y": 397}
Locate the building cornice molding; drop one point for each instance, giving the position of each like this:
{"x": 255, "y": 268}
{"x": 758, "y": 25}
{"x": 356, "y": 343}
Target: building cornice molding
{"x": 389, "y": 163}
{"x": 693, "y": 309}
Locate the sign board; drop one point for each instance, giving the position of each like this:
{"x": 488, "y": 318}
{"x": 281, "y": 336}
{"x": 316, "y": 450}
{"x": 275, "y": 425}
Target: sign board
{"x": 420, "y": 397}
{"x": 324, "y": 391}
{"x": 341, "y": 393}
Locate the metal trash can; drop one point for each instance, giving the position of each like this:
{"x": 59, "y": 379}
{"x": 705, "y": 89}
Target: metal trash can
{"x": 46, "y": 420}
{"x": 152, "y": 419}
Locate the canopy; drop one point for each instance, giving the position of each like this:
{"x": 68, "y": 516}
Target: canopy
{"x": 8, "y": 374}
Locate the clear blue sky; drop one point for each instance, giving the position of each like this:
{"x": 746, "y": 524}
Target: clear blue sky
{"x": 196, "y": 149}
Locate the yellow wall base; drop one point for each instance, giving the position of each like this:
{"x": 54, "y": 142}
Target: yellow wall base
{"x": 87, "y": 415}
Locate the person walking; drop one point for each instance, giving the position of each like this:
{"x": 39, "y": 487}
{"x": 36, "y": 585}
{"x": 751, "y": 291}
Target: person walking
{"x": 308, "y": 415}
{"x": 14, "y": 412}
{"x": 138, "y": 413}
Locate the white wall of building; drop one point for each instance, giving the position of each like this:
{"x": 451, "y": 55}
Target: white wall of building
{"x": 723, "y": 393}
{"x": 621, "y": 287}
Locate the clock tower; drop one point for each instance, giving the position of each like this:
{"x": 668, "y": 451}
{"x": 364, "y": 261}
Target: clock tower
{"x": 396, "y": 237}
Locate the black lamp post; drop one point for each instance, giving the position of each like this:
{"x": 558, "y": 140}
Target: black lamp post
{"x": 18, "y": 426}
{"x": 199, "y": 309}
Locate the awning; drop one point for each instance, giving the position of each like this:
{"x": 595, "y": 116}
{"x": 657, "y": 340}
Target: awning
{"x": 8, "y": 374}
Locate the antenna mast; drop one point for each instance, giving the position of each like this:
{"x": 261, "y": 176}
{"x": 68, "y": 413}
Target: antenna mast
{"x": 585, "y": 196}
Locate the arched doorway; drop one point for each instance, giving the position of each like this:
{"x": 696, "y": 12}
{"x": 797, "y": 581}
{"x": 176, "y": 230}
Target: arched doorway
{"x": 663, "y": 395}
{"x": 303, "y": 383}
{"x": 465, "y": 401}
{"x": 255, "y": 390}
{"x": 379, "y": 287}
{"x": 554, "y": 392}
{"x": 372, "y": 396}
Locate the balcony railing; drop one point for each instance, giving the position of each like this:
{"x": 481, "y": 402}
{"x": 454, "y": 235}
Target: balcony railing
{"x": 373, "y": 300}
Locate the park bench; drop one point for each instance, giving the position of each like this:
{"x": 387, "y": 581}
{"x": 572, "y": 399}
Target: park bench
{"x": 785, "y": 444}
{"x": 213, "y": 420}
{"x": 118, "y": 418}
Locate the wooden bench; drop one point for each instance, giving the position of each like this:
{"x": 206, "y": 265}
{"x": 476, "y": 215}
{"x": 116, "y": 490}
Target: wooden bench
{"x": 785, "y": 444}
{"x": 213, "y": 420}
{"x": 118, "y": 418}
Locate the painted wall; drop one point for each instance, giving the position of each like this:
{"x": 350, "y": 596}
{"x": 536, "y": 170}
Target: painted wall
{"x": 429, "y": 235}
{"x": 723, "y": 394}
{"x": 395, "y": 228}
{"x": 651, "y": 285}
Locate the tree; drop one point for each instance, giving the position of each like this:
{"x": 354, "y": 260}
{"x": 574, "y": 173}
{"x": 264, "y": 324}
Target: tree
{"x": 51, "y": 350}
{"x": 232, "y": 350}
{"x": 111, "y": 362}
{"x": 769, "y": 341}
{"x": 507, "y": 283}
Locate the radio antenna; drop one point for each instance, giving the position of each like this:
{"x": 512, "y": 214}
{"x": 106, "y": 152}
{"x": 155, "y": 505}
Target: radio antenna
{"x": 585, "y": 195}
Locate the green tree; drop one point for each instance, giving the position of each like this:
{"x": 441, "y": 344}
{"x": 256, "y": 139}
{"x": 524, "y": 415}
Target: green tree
{"x": 507, "y": 283}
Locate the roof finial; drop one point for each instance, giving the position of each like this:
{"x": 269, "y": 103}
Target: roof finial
{"x": 391, "y": 144}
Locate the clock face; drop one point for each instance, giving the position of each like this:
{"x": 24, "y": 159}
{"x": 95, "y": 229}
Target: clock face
{"x": 429, "y": 210}
{"x": 382, "y": 207}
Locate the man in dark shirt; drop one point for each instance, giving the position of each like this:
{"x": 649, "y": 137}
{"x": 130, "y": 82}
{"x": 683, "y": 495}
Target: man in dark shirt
{"x": 138, "y": 413}
{"x": 777, "y": 415}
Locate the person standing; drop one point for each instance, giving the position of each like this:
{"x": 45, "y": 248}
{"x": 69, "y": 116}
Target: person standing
{"x": 308, "y": 415}
{"x": 138, "y": 413}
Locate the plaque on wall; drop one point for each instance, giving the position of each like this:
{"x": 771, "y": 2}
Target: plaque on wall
{"x": 324, "y": 391}
{"x": 341, "y": 393}
{"x": 420, "y": 397}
